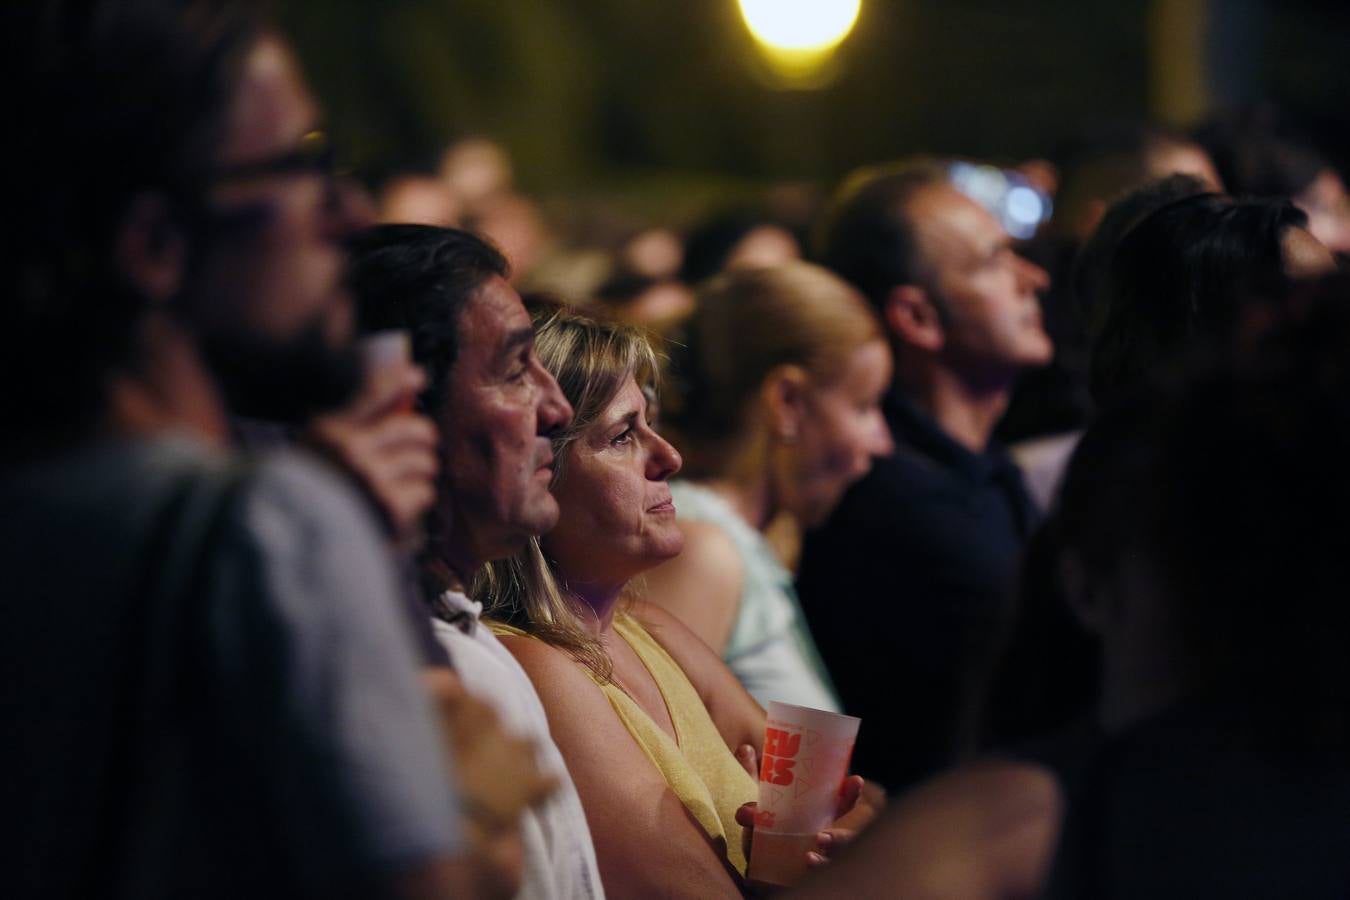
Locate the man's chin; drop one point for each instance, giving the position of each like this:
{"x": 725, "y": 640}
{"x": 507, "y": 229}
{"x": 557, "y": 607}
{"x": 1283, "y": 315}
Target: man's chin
{"x": 543, "y": 516}
{"x": 1038, "y": 350}
{"x": 1040, "y": 357}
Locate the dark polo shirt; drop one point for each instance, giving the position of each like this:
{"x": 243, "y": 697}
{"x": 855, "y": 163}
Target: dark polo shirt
{"x": 906, "y": 589}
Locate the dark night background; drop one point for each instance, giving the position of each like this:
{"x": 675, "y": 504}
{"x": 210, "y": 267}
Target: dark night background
{"x": 661, "y": 98}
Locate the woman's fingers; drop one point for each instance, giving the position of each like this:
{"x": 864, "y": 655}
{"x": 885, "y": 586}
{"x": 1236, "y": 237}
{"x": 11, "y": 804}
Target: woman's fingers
{"x": 749, "y": 759}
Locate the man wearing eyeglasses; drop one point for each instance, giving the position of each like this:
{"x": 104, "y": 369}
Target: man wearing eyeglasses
{"x": 208, "y": 690}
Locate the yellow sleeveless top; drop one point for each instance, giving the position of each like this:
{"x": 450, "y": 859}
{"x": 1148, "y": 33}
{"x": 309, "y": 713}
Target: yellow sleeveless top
{"x": 700, "y": 769}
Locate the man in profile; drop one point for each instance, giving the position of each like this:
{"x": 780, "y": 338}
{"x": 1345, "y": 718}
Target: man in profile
{"x": 1095, "y": 167}
{"x": 496, "y": 408}
{"x": 905, "y": 586}
{"x": 209, "y": 689}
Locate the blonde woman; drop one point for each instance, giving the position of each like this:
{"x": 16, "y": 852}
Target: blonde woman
{"x": 646, "y": 716}
{"x": 779, "y": 380}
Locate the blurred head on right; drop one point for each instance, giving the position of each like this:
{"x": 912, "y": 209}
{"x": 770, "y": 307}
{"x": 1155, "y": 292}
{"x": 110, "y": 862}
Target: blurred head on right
{"x": 1199, "y": 531}
{"x": 1200, "y": 267}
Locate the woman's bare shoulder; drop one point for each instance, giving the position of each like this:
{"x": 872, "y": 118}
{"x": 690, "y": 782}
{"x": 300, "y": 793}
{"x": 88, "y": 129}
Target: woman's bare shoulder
{"x": 549, "y": 667}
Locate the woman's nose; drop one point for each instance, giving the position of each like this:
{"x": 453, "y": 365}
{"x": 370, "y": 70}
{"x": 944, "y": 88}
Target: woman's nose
{"x": 664, "y": 461}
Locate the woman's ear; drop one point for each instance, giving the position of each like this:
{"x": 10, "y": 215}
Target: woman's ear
{"x": 150, "y": 251}
{"x": 912, "y": 318}
{"x": 783, "y": 394}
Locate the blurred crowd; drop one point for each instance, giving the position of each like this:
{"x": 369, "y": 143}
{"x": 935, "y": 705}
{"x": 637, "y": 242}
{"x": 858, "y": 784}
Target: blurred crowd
{"x": 396, "y": 540}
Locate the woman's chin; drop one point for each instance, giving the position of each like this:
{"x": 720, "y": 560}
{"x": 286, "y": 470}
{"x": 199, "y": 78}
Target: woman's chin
{"x": 665, "y": 550}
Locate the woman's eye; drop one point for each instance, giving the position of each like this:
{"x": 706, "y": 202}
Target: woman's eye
{"x": 623, "y": 437}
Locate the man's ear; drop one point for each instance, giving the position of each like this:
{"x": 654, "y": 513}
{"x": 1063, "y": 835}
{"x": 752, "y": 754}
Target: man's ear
{"x": 151, "y": 250}
{"x": 912, "y": 318}
{"x": 784, "y": 396}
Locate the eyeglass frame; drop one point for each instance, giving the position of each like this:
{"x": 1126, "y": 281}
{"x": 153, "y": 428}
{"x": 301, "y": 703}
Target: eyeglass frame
{"x": 314, "y": 154}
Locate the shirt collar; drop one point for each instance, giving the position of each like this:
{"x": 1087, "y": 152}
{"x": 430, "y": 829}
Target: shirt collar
{"x": 463, "y": 612}
{"x": 915, "y": 429}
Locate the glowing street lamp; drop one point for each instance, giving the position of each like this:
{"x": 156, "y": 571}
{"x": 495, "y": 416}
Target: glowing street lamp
{"x": 800, "y": 25}
{"x": 799, "y": 36}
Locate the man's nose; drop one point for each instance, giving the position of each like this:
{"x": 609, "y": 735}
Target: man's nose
{"x": 1031, "y": 276}
{"x": 882, "y": 444}
{"x": 350, "y": 206}
{"x": 554, "y": 410}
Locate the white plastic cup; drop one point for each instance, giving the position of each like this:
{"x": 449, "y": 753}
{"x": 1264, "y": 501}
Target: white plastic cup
{"x": 386, "y": 349}
{"x": 804, "y": 763}
{"x": 381, "y": 349}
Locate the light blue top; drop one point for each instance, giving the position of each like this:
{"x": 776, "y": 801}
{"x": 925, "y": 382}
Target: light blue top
{"x": 770, "y": 649}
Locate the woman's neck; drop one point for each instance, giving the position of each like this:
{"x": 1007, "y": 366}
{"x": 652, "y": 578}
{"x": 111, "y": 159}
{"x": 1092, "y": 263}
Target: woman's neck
{"x": 751, "y": 500}
{"x": 747, "y": 484}
{"x": 600, "y": 599}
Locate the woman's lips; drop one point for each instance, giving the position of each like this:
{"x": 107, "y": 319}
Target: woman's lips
{"x": 663, "y": 506}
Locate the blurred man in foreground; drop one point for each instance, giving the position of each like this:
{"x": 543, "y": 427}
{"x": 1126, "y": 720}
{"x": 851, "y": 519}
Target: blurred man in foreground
{"x": 210, "y": 689}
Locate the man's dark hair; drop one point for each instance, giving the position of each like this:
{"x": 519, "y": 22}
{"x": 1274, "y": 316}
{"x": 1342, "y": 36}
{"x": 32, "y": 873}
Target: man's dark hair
{"x": 133, "y": 97}
{"x": 1192, "y": 270}
{"x": 419, "y": 278}
{"x": 1094, "y": 260}
{"x": 867, "y": 236}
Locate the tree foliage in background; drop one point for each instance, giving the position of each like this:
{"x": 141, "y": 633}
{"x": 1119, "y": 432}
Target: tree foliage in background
{"x": 586, "y": 91}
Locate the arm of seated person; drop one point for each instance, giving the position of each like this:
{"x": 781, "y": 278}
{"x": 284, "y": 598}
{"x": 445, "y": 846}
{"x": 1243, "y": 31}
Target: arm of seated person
{"x": 499, "y": 778}
{"x": 738, "y": 717}
{"x": 702, "y": 585}
{"x": 646, "y": 842}
{"x": 986, "y": 831}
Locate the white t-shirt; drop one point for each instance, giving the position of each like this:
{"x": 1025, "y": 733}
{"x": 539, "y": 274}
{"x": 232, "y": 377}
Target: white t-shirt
{"x": 559, "y": 855}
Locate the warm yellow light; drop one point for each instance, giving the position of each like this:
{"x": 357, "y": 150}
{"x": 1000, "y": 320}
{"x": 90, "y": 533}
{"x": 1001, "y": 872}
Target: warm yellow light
{"x": 800, "y": 25}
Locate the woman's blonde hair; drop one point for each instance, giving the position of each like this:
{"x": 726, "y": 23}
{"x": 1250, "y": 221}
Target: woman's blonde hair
{"x": 592, "y": 359}
{"x": 747, "y": 323}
